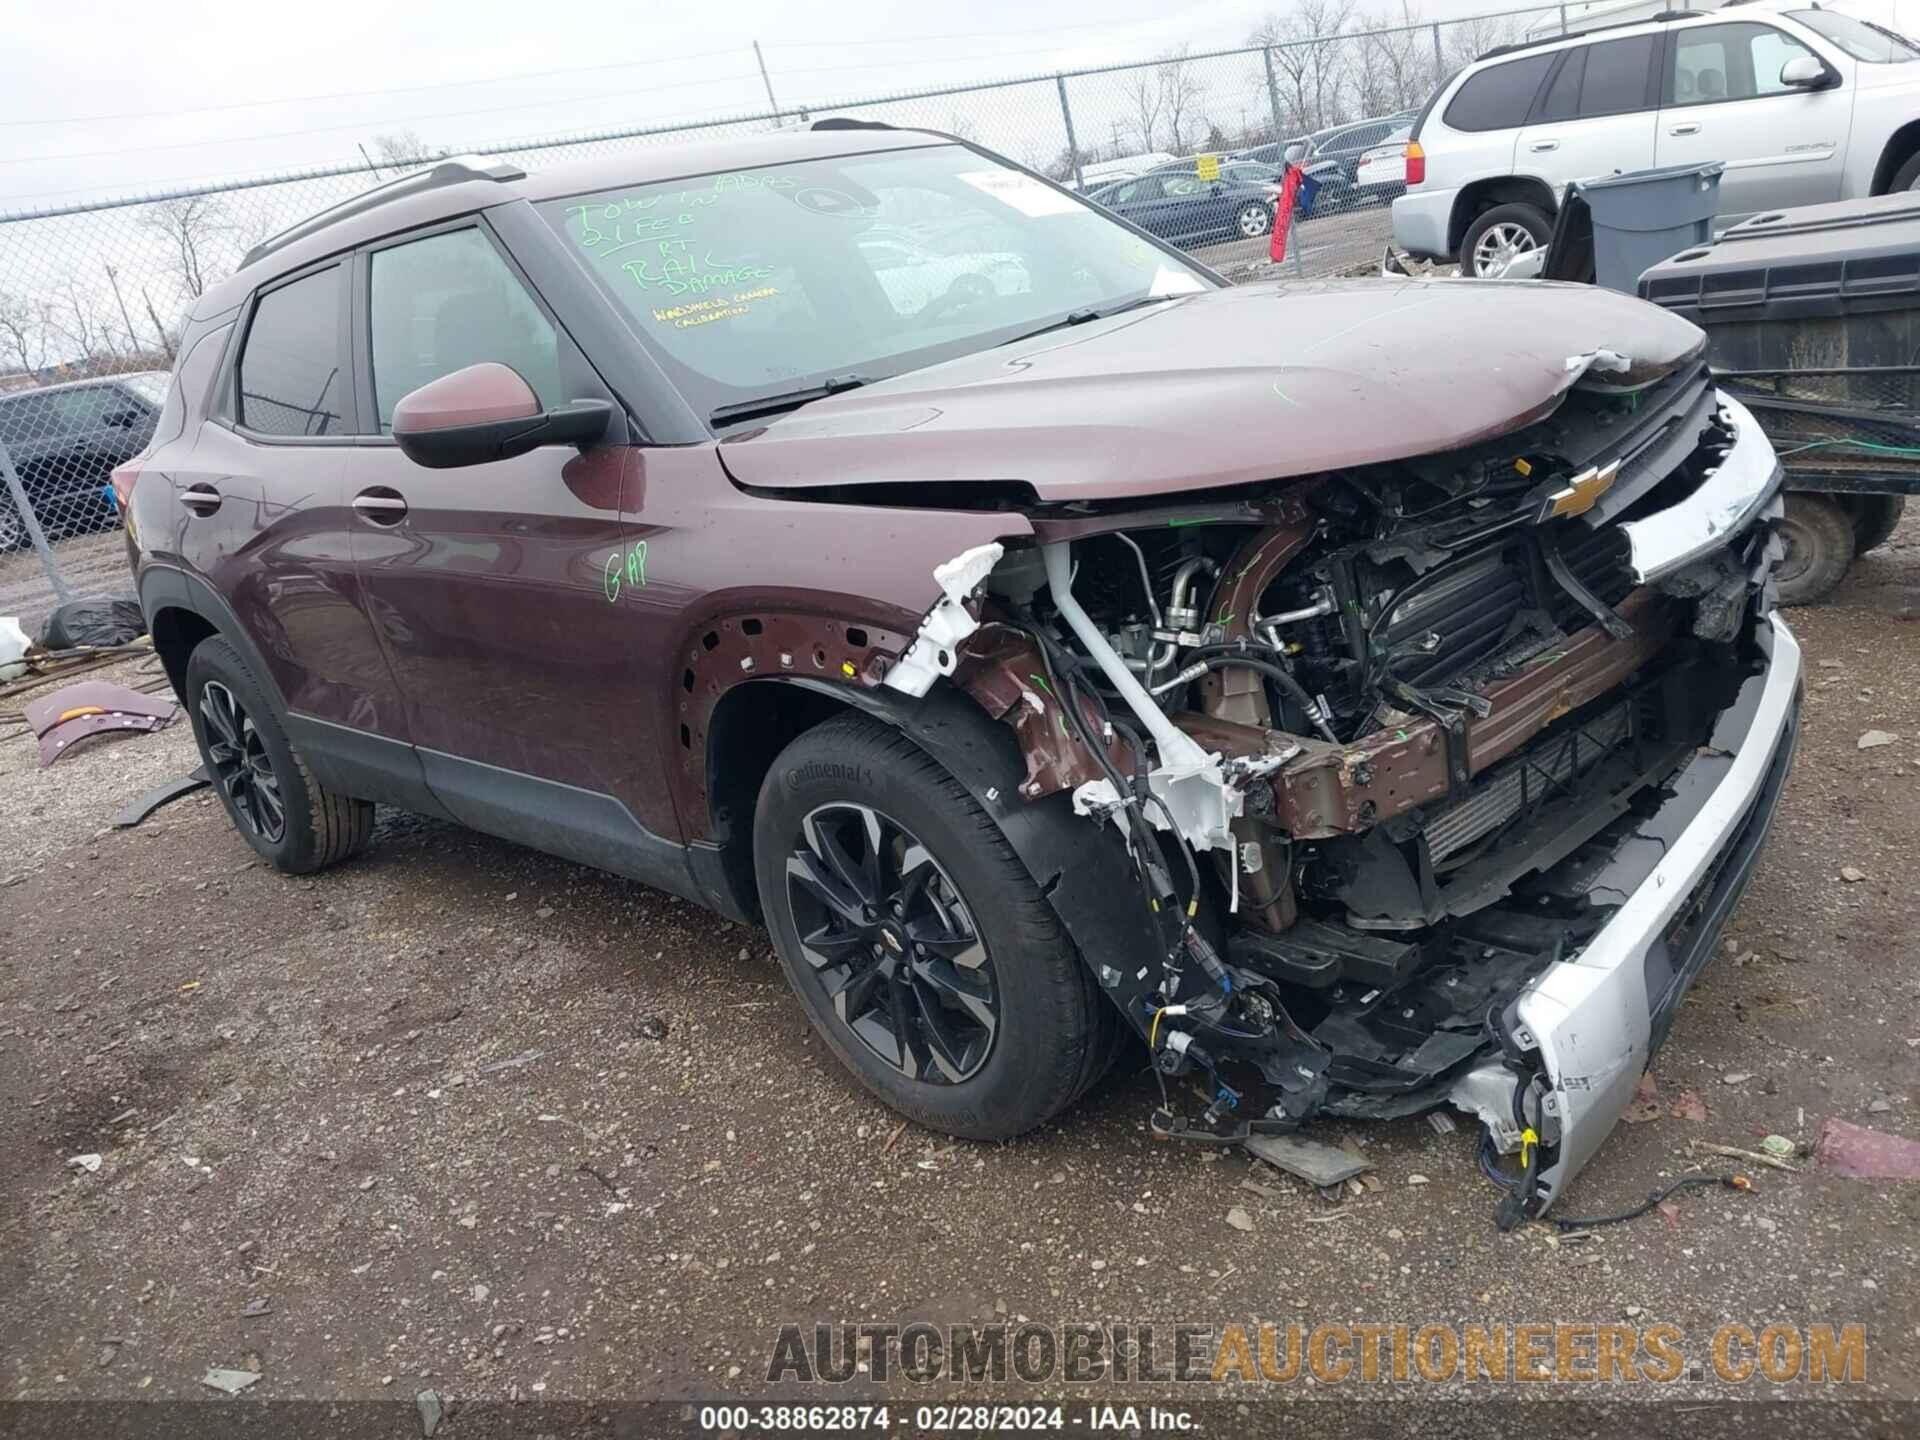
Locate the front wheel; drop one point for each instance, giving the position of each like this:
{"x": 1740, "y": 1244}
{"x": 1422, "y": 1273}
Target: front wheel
{"x": 13, "y": 530}
{"x": 918, "y": 944}
{"x": 1498, "y": 235}
{"x": 1253, "y": 221}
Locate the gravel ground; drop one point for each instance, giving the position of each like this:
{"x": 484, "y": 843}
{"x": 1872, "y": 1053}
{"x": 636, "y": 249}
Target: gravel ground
{"x": 461, "y": 1116}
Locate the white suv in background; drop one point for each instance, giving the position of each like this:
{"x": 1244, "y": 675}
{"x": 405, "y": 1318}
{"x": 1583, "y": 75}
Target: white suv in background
{"x": 1803, "y": 105}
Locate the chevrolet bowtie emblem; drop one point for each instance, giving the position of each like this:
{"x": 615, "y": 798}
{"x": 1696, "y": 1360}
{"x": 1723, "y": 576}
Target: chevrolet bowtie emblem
{"x": 1580, "y": 494}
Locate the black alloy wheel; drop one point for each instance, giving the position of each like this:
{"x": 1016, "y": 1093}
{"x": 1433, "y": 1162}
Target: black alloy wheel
{"x": 891, "y": 943}
{"x": 241, "y": 766}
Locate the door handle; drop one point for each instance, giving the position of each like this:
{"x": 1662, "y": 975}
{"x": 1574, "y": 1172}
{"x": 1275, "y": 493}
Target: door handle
{"x": 1692, "y": 127}
{"x": 200, "y": 498}
{"x": 1544, "y": 145}
{"x": 380, "y": 506}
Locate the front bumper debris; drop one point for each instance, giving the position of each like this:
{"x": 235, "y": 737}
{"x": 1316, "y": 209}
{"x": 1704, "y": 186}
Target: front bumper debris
{"x": 1723, "y": 505}
{"x": 1591, "y": 1022}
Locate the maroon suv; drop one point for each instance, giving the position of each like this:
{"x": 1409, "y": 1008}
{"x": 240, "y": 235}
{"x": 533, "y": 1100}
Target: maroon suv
{"x": 1364, "y": 694}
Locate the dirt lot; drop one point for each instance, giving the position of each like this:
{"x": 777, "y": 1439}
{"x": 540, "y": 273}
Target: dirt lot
{"x": 463, "y": 1117}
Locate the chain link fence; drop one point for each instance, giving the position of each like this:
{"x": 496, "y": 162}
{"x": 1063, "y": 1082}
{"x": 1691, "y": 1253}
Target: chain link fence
{"x": 1186, "y": 144}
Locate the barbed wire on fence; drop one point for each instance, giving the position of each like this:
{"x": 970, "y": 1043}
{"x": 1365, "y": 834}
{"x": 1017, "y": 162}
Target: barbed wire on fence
{"x": 93, "y": 290}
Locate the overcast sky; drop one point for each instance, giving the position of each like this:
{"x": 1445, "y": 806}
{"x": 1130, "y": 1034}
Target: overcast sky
{"x": 102, "y": 97}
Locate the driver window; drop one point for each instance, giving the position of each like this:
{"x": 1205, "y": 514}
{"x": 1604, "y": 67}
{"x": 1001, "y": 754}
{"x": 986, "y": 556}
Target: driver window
{"x": 1729, "y": 62}
{"x": 447, "y": 302}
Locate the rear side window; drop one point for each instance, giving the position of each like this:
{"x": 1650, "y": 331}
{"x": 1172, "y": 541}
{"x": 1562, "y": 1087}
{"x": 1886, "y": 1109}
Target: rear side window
{"x": 1617, "y": 74}
{"x": 1499, "y": 97}
{"x": 447, "y": 302}
{"x": 1729, "y": 62}
{"x": 293, "y": 377}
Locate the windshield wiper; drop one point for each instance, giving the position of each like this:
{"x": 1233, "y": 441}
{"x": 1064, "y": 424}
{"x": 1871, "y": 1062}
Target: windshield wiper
{"x": 782, "y": 401}
{"x": 1092, "y": 312}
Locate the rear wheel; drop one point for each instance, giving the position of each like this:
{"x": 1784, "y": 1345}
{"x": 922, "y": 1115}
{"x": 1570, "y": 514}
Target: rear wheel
{"x": 1499, "y": 234}
{"x": 13, "y": 530}
{"x": 1818, "y": 536}
{"x": 1253, "y": 221}
{"x": 290, "y": 819}
{"x": 920, "y": 948}
{"x": 1907, "y": 177}
{"x": 1874, "y": 519}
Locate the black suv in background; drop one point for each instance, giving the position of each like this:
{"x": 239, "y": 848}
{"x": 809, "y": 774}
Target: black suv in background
{"x": 64, "y": 440}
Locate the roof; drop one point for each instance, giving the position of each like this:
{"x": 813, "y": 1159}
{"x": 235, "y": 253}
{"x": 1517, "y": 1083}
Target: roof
{"x": 410, "y": 208}
{"x": 89, "y": 381}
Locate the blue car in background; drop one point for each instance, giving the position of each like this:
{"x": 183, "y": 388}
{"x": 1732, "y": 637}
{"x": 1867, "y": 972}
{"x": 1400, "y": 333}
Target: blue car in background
{"x": 1177, "y": 205}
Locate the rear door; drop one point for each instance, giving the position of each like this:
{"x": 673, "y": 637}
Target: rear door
{"x": 1476, "y": 130}
{"x": 1597, "y": 114}
{"x": 259, "y": 511}
{"x": 1144, "y": 201}
{"x": 489, "y": 585}
{"x": 1724, "y": 101}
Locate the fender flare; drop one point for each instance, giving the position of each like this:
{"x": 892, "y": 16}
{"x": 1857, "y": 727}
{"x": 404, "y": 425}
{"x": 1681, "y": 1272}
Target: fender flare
{"x": 167, "y": 587}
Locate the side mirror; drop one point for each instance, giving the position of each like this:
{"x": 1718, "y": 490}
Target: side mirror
{"x": 1805, "y": 72}
{"x": 487, "y": 412}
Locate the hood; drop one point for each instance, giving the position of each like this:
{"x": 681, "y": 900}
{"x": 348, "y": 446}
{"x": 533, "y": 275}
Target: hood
{"x": 1226, "y": 387}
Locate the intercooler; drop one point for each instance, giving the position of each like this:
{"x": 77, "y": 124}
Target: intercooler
{"x": 1545, "y": 768}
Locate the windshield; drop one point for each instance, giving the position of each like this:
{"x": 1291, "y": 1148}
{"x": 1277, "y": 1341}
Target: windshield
{"x": 1859, "y": 38}
{"x": 775, "y": 279}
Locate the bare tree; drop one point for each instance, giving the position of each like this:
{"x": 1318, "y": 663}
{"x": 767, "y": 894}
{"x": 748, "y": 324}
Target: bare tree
{"x": 23, "y": 333}
{"x": 192, "y": 227}
{"x": 1309, "y": 58}
{"x": 1397, "y": 66}
{"x": 402, "y": 150}
{"x": 1467, "y": 39}
{"x": 1147, "y": 98}
{"x": 1181, "y": 90}
{"x": 78, "y": 318}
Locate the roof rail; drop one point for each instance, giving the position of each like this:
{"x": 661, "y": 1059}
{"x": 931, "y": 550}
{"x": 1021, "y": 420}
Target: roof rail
{"x": 1665, "y": 17}
{"x": 454, "y": 170}
{"x": 847, "y": 122}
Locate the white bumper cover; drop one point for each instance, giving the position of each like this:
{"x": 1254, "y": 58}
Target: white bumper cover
{"x": 1590, "y": 1017}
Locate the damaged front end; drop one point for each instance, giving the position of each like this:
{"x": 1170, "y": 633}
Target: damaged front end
{"x": 1436, "y": 779}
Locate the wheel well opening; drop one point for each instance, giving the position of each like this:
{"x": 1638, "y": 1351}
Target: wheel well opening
{"x": 175, "y": 634}
{"x": 1483, "y": 195}
{"x": 1900, "y": 148}
{"x": 749, "y": 728}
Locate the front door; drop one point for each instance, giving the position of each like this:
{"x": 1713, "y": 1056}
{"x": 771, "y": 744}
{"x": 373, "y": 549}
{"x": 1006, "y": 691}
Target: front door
{"x": 489, "y": 584}
{"x": 1782, "y": 146}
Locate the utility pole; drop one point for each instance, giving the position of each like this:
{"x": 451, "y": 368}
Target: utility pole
{"x": 125, "y": 319}
{"x": 772, "y": 104}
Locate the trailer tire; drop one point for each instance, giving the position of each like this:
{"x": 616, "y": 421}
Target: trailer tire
{"x": 1874, "y": 519}
{"x": 1820, "y": 546}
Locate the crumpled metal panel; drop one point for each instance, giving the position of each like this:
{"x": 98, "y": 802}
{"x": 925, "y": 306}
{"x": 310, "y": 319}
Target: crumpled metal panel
{"x": 75, "y": 712}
